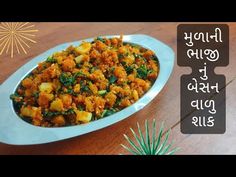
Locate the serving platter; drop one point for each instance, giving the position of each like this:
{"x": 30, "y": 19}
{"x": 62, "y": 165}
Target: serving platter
{"x": 15, "y": 131}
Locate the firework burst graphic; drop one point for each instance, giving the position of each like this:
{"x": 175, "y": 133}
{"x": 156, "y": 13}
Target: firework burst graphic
{"x": 16, "y": 37}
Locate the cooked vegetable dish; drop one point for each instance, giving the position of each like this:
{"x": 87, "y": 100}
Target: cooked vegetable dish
{"x": 85, "y": 83}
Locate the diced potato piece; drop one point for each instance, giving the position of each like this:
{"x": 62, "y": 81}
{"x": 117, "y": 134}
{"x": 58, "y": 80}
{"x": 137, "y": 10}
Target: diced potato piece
{"x": 26, "y": 111}
{"x": 116, "y": 89}
{"x": 140, "y": 82}
{"x": 148, "y": 54}
{"x": 57, "y": 105}
{"x": 129, "y": 59}
{"x": 122, "y": 50}
{"x": 66, "y": 100}
{"x": 89, "y": 103}
{"x": 59, "y": 120}
{"x": 80, "y": 99}
{"x": 46, "y": 87}
{"x": 100, "y": 46}
{"x": 110, "y": 99}
{"x": 84, "y": 48}
{"x": 59, "y": 59}
{"x": 135, "y": 95}
{"x": 56, "y": 84}
{"x": 83, "y": 116}
{"x": 44, "y": 99}
{"x": 86, "y": 58}
{"x": 68, "y": 65}
{"x": 120, "y": 72}
{"x": 32, "y": 112}
{"x": 135, "y": 50}
{"x": 97, "y": 75}
{"x": 131, "y": 77}
{"x": 79, "y": 59}
{"x": 93, "y": 88}
{"x": 53, "y": 71}
{"x": 36, "y": 112}
{"x": 77, "y": 88}
{"x": 125, "y": 102}
{"x": 27, "y": 83}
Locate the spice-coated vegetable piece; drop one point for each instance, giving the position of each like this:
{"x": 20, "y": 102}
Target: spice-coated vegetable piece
{"x": 83, "y": 116}
{"x": 84, "y": 48}
{"x": 46, "y": 87}
{"x": 57, "y": 105}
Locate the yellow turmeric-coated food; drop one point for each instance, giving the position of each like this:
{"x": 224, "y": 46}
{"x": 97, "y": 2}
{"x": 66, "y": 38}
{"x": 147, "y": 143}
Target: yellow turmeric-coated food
{"x": 85, "y": 83}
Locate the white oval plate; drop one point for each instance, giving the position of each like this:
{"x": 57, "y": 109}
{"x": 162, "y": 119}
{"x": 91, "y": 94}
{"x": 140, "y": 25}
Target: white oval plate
{"x": 14, "y": 130}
